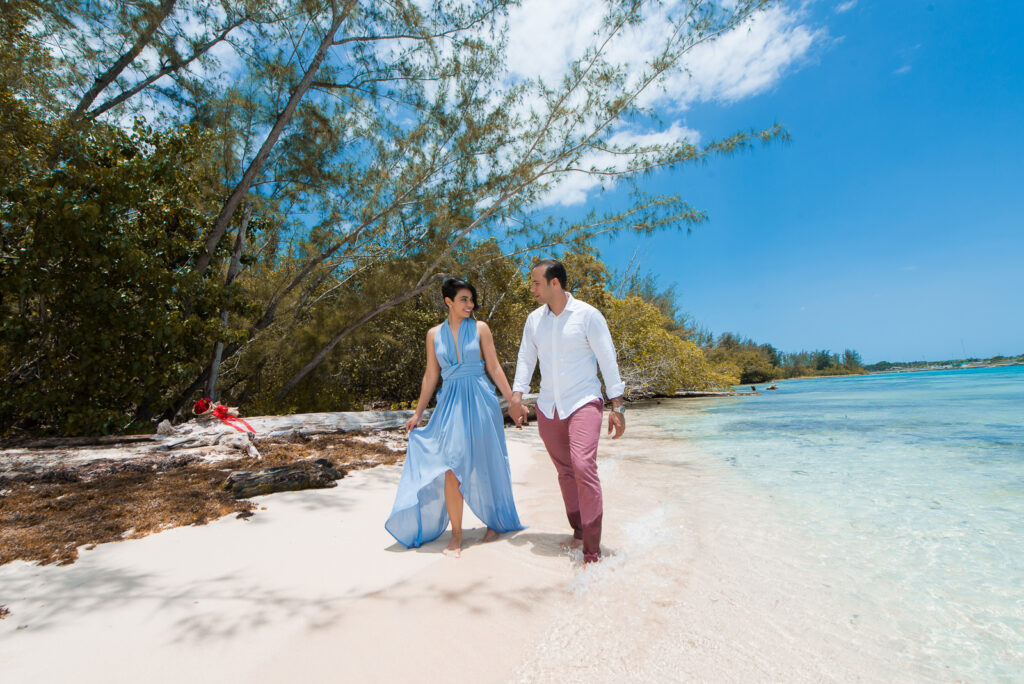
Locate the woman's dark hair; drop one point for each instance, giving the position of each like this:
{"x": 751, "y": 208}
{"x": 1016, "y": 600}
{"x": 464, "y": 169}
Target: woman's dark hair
{"x": 451, "y": 286}
{"x": 553, "y": 269}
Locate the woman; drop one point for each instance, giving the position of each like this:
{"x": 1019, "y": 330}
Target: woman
{"x": 460, "y": 454}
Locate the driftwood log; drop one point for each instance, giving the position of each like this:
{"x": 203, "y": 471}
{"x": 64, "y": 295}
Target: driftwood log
{"x": 317, "y": 473}
{"x": 203, "y": 437}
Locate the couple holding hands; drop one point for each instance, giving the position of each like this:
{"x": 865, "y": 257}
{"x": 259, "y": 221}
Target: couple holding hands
{"x": 460, "y": 455}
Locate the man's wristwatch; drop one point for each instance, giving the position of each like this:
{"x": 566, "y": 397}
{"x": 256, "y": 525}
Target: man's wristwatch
{"x": 621, "y": 409}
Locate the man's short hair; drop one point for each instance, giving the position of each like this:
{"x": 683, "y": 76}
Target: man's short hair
{"x": 553, "y": 268}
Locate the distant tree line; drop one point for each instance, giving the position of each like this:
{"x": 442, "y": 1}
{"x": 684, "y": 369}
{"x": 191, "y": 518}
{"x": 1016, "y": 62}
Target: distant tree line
{"x": 910, "y": 365}
{"x": 755, "y": 363}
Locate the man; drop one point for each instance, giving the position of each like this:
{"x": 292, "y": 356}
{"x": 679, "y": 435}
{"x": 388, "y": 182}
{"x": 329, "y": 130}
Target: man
{"x": 570, "y": 339}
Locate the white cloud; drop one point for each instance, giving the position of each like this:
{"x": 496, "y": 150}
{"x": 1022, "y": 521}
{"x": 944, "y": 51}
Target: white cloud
{"x": 675, "y": 132}
{"x": 846, "y": 6}
{"x": 545, "y": 36}
{"x": 745, "y": 62}
{"x": 573, "y": 188}
{"x": 905, "y": 69}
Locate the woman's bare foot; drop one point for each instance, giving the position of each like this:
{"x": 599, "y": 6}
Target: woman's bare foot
{"x": 573, "y": 543}
{"x": 454, "y": 548}
{"x": 490, "y": 535}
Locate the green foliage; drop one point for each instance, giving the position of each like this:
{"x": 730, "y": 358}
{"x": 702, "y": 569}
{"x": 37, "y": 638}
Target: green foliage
{"x": 757, "y": 363}
{"x": 99, "y": 315}
{"x": 652, "y": 360}
{"x": 999, "y": 359}
{"x": 645, "y": 286}
{"x": 382, "y": 362}
{"x": 405, "y": 155}
{"x": 587, "y": 276}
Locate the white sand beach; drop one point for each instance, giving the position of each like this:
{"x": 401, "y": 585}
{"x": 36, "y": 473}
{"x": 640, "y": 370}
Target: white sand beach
{"x": 313, "y": 589}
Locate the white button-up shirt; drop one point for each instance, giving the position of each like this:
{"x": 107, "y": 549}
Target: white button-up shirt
{"x": 569, "y": 347}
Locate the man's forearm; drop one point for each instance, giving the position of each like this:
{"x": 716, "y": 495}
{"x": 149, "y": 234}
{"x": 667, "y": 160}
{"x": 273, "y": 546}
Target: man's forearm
{"x": 526, "y": 362}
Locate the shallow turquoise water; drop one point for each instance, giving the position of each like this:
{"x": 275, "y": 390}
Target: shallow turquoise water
{"x": 911, "y": 484}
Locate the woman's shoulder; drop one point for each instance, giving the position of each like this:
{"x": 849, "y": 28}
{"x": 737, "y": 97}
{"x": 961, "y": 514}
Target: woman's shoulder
{"x": 482, "y": 327}
{"x": 433, "y": 331}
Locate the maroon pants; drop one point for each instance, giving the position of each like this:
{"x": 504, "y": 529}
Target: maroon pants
{"x": 572, "y": 445}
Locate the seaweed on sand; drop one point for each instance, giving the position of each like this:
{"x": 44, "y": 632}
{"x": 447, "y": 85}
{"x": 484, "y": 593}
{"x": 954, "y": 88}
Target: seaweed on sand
{"x": 45, "y": 516}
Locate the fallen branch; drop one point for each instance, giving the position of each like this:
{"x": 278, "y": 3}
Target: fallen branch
{"x": 315, "y": 474}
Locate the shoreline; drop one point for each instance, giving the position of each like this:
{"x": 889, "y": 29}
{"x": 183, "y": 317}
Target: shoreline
{"x": 901, "y": 371}
{"x": 313, "y": 588}
{"x": 708, "y": 574}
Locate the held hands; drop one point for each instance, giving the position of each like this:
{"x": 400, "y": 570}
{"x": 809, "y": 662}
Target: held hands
{"x": 413, "y": 422}
{"x": 517, "y": 412}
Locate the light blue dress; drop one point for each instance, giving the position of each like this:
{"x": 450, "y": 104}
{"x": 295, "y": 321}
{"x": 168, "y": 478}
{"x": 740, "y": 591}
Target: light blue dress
{"x": 465, "y": 434}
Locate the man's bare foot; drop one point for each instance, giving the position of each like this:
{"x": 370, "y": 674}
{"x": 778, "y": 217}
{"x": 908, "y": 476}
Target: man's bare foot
{"x": 454, "y": 548}
{"x": 573, "y": 543}
{"x": 490, "y": 535}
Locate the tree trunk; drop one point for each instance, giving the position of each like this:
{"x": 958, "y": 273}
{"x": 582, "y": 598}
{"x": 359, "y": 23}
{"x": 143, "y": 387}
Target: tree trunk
{"x": 175, "y": 409}
{"x": 242, "y": 189}
{"x": 236, "y": 260}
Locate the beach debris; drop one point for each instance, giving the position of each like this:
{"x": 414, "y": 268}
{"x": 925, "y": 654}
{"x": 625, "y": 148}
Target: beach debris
{"x": 66, "y": 494}
{"x": 4, "y": 612}
{"x": 318, "y": 473}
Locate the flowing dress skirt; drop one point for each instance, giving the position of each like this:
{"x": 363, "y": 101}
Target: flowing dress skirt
{"x": 465, "y": 434}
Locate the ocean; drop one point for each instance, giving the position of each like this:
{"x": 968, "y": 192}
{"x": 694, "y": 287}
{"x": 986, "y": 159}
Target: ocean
{"x": 839, "y": 528}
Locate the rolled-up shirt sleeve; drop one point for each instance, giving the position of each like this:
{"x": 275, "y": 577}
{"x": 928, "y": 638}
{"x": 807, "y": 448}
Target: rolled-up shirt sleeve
{"x": 527, "y": 359}
{"x": 600, "y": 340}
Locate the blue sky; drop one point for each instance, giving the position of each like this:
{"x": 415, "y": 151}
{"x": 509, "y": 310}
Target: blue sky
{"x": 892, "y": 222}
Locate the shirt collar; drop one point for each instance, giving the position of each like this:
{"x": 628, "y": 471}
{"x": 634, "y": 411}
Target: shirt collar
{"x": 568, "y": 305}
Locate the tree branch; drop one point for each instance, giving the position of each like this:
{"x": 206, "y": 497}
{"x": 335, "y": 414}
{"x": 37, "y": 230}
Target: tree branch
{"x": 168, "y": 69}
{"x": 157, "y": 17}
{"x": 228, "y": 211}
{"x": 358, "y": 323}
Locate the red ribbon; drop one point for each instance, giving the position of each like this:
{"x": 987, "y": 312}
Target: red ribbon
{"x": 221, "y": 411}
